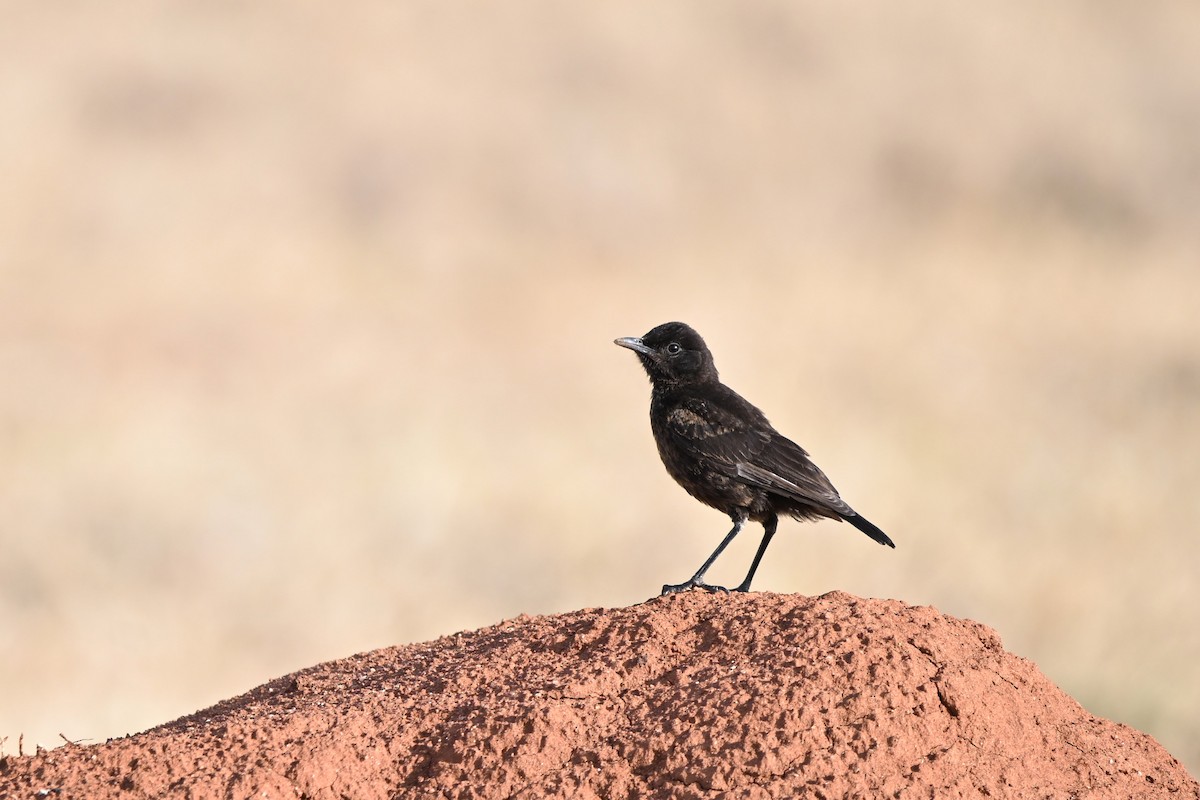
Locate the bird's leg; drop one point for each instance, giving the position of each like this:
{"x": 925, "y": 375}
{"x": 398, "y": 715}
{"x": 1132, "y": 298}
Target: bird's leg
{"x": 769, "y": 526}
{"x": 697, "y": 580}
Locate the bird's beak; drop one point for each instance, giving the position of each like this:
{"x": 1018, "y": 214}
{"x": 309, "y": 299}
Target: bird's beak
{"x": 634, "y": 343}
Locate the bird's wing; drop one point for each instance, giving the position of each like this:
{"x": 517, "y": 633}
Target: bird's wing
{"x": 718, "y": 432}
{"x": 783, "y": 467}
{"x": 736, "y": 438}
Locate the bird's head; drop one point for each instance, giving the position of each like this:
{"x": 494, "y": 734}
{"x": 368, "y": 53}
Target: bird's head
{"x": 673, "y": 353}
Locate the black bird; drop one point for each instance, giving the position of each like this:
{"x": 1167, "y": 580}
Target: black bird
{"x": 724, "y": 452}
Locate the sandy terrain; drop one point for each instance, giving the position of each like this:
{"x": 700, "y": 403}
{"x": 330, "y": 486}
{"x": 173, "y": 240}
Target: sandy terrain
{"x": 692, "y": 696}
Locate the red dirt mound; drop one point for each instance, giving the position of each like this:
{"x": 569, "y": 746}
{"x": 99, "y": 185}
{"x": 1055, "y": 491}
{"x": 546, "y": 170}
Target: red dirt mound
{"x": 691, "y": 696}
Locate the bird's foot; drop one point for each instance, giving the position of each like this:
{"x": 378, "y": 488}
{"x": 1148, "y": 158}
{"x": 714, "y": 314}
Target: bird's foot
{"x": 694, "y": 583}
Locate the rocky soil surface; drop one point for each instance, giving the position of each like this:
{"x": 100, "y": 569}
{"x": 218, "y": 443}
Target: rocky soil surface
{"x": 692, "y": 696}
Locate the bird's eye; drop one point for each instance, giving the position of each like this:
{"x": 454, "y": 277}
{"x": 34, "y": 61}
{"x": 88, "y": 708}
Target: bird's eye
{"x": 673, "y": 349}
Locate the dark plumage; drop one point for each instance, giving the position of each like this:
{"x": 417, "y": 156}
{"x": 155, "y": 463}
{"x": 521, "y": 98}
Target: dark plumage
{"x": 724, "y": 452}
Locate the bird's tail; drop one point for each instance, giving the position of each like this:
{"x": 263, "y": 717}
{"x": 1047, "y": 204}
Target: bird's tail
{"x": 869, "y": 529}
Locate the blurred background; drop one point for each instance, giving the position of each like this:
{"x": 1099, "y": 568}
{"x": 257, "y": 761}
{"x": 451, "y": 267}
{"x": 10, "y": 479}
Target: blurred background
{"x": 306, "y": 322}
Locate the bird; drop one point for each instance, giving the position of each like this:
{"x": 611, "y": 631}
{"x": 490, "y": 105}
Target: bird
{"x": 723, "y": 451}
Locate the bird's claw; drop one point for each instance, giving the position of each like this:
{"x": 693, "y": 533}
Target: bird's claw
{"x": 676, "y": 588}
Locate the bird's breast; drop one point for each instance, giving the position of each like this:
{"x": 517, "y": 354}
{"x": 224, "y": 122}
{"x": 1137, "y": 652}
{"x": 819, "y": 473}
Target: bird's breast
{"x": 702, "y": 477}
